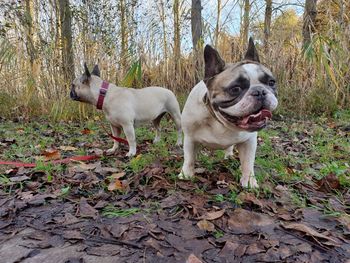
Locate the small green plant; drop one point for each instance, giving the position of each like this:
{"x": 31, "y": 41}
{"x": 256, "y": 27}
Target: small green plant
{"x": 218, "y": 234}
{"x": 4, "y": 181}
{"x": 65, "y": 191}
{"x": 139, "y": 162}
{"x": 110, "y": 211}
{"x": 219, "y": 198}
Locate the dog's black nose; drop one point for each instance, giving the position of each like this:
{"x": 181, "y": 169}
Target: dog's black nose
{"x": 73, "y": 94}
{"x": 258, "y": 92}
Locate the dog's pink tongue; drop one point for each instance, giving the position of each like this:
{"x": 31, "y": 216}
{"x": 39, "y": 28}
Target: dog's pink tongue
{"x": 260, "y": 116}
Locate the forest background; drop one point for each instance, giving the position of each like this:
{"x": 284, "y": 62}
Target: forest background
{"x": 43, "y": 45}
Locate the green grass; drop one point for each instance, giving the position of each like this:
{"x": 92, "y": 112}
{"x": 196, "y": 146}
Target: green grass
{"x": 321, "y": 148}
{"x": 111, "y": 211}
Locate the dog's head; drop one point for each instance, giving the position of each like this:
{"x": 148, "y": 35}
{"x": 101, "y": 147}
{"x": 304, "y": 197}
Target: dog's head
{"x": 241, "y": 94}
{"x": 81, "y": 86}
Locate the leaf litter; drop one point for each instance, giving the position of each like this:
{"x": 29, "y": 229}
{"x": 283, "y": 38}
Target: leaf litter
{"x": 106, "y": 211}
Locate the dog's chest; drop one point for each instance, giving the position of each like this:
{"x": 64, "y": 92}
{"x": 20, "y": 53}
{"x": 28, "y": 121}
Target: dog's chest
{"x": 212, "y": 134}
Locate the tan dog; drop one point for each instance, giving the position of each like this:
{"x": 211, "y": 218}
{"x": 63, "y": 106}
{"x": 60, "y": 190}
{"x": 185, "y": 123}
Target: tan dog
{"x": 228, "y": 108}
{"x": 126, "y": 107}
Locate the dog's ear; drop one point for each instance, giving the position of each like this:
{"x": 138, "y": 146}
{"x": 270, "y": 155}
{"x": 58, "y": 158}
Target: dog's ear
{"x": 87, "y": 72}
{"x": 252, "y": 53}
{"x": 213, "y": 62}
{"x": 96, "y": 71}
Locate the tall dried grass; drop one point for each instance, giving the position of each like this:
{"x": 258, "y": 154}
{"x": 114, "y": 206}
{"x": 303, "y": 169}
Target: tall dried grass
{"x": 314, "y": 81}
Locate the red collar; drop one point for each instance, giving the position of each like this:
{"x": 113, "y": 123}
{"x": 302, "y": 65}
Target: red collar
{"x": 101, "y": 96}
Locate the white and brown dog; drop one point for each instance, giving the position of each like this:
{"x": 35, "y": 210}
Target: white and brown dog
{"x": 227, "y": 109}
{"x": 126, "y": 107}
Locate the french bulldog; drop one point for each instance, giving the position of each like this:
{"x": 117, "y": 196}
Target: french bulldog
{"x": 227, "y": 108}
{"x": 126, "y": 107}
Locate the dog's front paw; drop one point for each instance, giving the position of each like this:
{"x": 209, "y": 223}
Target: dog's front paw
{"x": 111, "y": 151}
{"x": 249, "y": 182}
{"x": 183, "y": 176}
{"x": 179, "y": 143}
{"x": 131, "y": 153}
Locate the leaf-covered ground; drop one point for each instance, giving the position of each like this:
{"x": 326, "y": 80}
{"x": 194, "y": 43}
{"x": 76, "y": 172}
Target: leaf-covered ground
{"x": 117, "y": 210}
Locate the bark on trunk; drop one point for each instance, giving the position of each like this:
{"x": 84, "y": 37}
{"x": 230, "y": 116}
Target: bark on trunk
{"x": 245, "y": 26}
{"x": 267, "y": 24}
{"x": 196, "y": 27}
{"x": 177, "y": 40}
{"x": 310, "y": 13}
{"x": 67, "y": 41}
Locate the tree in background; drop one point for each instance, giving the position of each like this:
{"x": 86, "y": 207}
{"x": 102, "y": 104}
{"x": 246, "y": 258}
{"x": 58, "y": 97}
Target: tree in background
{"x": 177, "y": 36}
{"x": 245, "y": 22}
{"x": 66, "y": 41}
{"x": 310, "y": 13}
{"x": 197, "y": 38}
{"x": 267, "y": 24}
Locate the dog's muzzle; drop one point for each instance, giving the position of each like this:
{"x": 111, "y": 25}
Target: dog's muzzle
{"x": 73, "y": 94}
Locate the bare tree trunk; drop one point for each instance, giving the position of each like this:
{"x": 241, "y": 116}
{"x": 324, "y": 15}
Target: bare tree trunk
{"x": 177, "y": 41}
{"x": 310, "y": 13}
{"x": 32, "y": 38}
{"x": 267, "y": 24}
{"x": 67, "y": 42}
{"x": 217, "y": 27}
{"x": 123, "y": 36}
{"x": 196, "y": 26}
{"x": 161, "y": 10}
{"x": 245, "y": 25}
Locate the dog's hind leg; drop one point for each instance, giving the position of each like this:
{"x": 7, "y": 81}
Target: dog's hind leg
{"x": 174, "y": 111}
{"x": 156, "y": 123}
{"x": 116, "y": 132}
{"x": 129, "y": 132}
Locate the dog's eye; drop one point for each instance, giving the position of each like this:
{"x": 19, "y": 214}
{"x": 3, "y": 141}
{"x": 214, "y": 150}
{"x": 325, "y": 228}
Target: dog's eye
{"x": 272, "y": 82}
{"x": 235, "y": 90}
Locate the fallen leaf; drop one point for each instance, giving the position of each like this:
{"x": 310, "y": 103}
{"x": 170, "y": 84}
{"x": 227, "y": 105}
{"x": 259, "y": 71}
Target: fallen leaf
{"x": 328, "y": 183}
{"x": 117, "y": 175}
{"x": 87, "y": 210}
{"x": 206, "y": 225}
{"x": 254, "y": 248}
{"x": 193, "y": 259}
{"x": 242, "y": 221}
{"x": 213, "y": 215}
{"x": 250, "y": 198}
{"x": 229, "y": 249}
{"x": 115, "y": 185}
{"x": 67, "y": 148}
{"x": 51, "y": 155}
{"x": 19, "y": 178}
{"x": 86, "y": 131}
{"x": 310, "y": 232}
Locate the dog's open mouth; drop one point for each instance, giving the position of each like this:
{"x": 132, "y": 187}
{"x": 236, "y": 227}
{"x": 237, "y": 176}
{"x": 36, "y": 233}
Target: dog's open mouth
{"x": 253, "y": 122}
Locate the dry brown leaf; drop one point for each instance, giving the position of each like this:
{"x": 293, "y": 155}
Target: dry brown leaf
{"x": 249, "y": 198}
{"x": 193, "y": 259}
{"x": 117, "y": 175}
{"x": 213, "y": 215}
{"x": 206, "y": 225}
{"x": 328, "y": 183}
{"x": 115, "y": 185}
{"x": 310, "y": 232}
{"x": 67, "y": 148}
{"x": 87, "y": 210}
{"x": 51, "y": 155}
{"x": 86, "y": 131}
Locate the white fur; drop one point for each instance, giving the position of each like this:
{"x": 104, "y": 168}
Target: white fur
{"x": 126, "y": 107}
{"x": 200, "y": 127}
